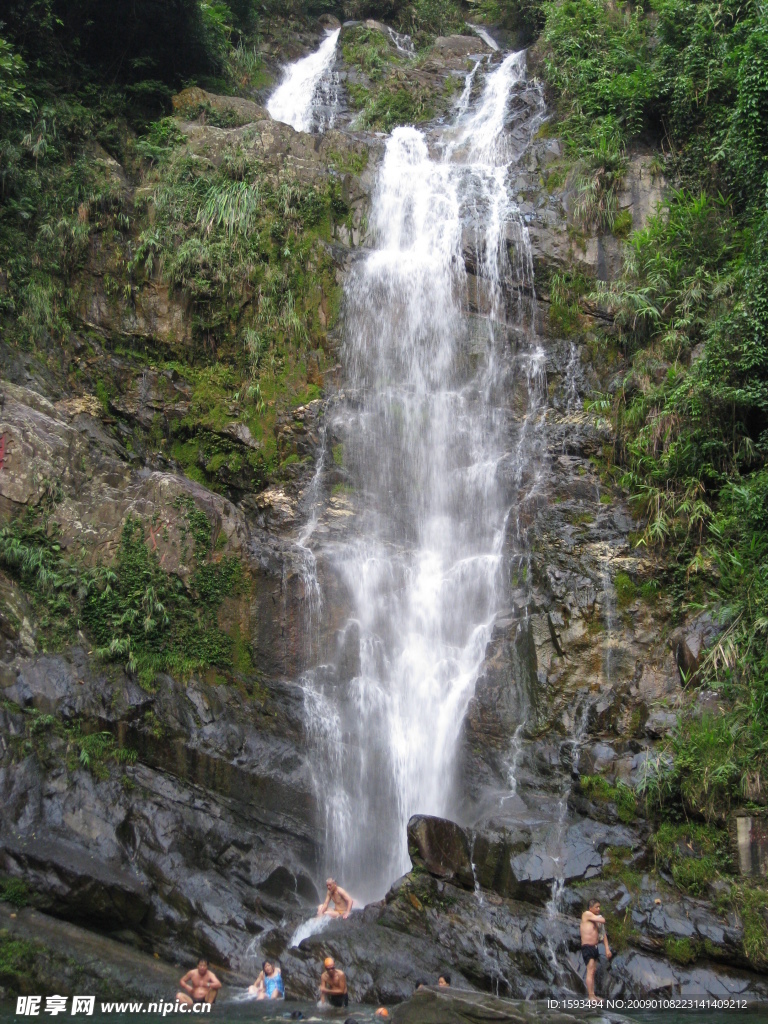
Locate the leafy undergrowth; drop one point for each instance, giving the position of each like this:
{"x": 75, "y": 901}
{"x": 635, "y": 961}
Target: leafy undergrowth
{"x": 134, "y": 611}
{"x": 693, "y": 853}
{"x": 393, "y": 93}
{"x": 97, "y": 752}
{"x": 242, "y": 252}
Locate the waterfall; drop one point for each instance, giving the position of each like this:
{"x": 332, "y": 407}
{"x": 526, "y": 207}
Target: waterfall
{"x": 403, "y": 43}
{"x": 438, "y": 460}
{"x": 484, "y": 35}
{"x": 306, "y": 97}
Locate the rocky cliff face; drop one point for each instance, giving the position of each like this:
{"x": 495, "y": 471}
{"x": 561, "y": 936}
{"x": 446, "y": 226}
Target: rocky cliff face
{"x": 191, "y": 827}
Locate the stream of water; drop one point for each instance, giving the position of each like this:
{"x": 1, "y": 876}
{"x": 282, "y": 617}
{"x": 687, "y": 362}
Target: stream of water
{"x": 306, "y": 97}
{"x": 434, "y": 343}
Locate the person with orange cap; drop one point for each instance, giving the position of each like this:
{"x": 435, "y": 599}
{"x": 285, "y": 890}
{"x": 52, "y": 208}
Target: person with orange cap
{"x": 333, "y": 985}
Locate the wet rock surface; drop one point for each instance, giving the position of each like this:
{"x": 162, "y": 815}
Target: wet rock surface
{"x": 439, "y": 1007}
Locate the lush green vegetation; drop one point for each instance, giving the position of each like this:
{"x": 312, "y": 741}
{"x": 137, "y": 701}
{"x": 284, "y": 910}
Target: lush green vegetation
{"x": 692, "y": 853}
{"x": 134, "y": 611}
{"x": 692, "y": 313}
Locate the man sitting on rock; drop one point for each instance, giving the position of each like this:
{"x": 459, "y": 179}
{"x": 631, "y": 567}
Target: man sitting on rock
{"x": 333, "y": 985}
{"x": 342, "y": 901}
{"x": 200, "y": 985}
{"x": 592, "y": 932}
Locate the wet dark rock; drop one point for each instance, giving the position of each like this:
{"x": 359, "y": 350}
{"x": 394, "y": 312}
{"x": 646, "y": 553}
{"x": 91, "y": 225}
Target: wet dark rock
{"x": 75, "y": 882}
{"x": 429, "y": 1006}
{"x": 492, "y": 853}
{"x": 442, "y": 848}
{"x": 68, "y": 960}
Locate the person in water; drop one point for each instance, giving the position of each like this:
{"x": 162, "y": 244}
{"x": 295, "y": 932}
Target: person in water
{"x": 592, "y": 933}
{"x": 341, "y": 900}
{"x": 333, "y": 985}
{"x": 200, "y": 985}
{"x": 444, "y": 981}
{"x": 269, "y": 984}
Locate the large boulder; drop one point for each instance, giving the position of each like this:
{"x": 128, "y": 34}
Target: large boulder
{"x": 690, "y": 643}
{"x": 441, "y": 847}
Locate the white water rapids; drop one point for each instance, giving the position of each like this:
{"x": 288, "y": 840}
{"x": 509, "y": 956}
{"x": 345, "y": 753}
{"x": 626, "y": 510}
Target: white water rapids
{"x": 438, "y": 467}
{"x": 306, "y": 89}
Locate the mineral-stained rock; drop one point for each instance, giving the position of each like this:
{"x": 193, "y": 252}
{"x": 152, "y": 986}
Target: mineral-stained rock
{"x": 689, "y": 644}
{"x": 240, "y": 110}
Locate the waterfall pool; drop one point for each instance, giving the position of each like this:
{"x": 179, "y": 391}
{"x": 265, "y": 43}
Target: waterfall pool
{"x": 229, "y": 1012}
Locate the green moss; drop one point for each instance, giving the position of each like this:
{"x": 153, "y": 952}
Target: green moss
{"x": 620, "y": 929}
{"x": 693, "y": 853}
{"x": 397, "y": 104}
{"x": 14, "y": 891}
{"x": 637, "y": 721}
{"x": 16, "y": 956}
{"x": 368, "y": 50}
{"x": 680, "y": 949}
{"x": 750, "y": 900}
{"x": 102, "y": 393}
{"x": 650, "y": 592}
{"x": 348, "y": 162}
{"x": 597, "y": 788}
{"x": 338, "y": 454}
{"x": 622, "y": 224}
{"x": 565, "y": 291}
{"x": 617, "y": 863}
{"x": 154, "y": 725}
{"x": 626, "y": 591}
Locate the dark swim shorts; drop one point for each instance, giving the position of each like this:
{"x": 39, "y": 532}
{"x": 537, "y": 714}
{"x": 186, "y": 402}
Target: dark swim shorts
{"x": 590, "y": 953}
{"x": 340, "y": 1000}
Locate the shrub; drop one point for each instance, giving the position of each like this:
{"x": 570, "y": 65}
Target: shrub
{"x": 694, "y": 854}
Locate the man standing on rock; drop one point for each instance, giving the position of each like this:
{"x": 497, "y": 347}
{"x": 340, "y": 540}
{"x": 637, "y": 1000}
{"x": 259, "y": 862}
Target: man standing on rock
{"x": 333, "y": 985}
{"x": 592, "y": 931}
{"x": 342, "y": 901}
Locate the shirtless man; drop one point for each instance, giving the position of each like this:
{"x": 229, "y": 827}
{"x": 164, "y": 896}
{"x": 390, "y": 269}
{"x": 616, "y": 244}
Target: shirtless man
{"x": 333, "y": 985}
{"x": 592, "y": 931}
{"x": 342, "y": 901}
{"x": 200, "y": 985}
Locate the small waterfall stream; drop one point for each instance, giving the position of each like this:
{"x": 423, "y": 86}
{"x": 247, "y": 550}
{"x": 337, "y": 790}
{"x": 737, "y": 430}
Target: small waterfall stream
{"x": 306, "y": 98}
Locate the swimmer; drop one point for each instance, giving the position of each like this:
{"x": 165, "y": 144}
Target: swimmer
{"x": 333, "y": 985}
{"x": 269, "y": 984}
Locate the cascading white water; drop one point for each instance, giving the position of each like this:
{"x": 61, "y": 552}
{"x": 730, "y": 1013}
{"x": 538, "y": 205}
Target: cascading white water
{"x": 403, "y": 43}
{"x": 306, "y": 90}
{"x": 485, "y": 35}
{"x": 437, "y": 462}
